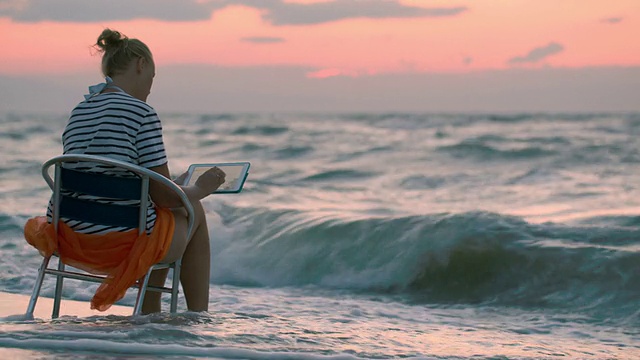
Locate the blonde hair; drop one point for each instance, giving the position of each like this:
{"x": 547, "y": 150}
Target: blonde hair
{"x": 118, "y": 51}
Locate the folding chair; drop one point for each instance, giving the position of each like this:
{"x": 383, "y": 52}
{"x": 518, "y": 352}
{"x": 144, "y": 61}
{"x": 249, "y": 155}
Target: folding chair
{"x": 100, "y": 185}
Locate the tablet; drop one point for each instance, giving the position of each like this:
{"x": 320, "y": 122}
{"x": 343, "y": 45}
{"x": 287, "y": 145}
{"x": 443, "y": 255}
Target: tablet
{"x": 236, "y": 174}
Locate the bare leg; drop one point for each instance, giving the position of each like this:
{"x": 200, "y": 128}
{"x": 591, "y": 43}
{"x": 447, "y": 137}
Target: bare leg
{"x": 196, "y": 258}
{"x": 195, "y": 270}
{"x": 151, "y": 303}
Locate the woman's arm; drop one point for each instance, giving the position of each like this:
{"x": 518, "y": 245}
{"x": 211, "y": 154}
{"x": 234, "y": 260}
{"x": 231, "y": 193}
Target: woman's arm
{"x": 204, "y": 186}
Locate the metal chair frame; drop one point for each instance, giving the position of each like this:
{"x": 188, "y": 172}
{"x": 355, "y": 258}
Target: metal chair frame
{"x": 144, "y": 175}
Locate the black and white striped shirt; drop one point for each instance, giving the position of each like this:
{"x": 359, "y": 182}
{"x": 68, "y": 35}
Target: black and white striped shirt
{"x": 119, "y": 126}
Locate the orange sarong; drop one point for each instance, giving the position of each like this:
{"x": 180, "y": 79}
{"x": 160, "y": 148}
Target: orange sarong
{"x": 124, "y": 257}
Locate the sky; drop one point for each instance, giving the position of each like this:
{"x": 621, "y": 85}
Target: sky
{"x": 334, "y": 55}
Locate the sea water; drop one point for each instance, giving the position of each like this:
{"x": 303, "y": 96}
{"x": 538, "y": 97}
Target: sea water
{"x": 372, "y": 236}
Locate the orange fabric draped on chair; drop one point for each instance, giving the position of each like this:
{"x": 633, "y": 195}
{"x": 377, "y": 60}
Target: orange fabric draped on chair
{"x": 124, "y": 257}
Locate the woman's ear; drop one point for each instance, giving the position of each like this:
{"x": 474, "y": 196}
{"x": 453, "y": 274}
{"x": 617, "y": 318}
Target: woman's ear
{"x": 140, "y": 64}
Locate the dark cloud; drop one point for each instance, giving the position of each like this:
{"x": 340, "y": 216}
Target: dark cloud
{"x": 612, "y": 20}
{"x": 263, "y": 39}
{"x": 538, "y": 54}
{"x": 277, "y": 12}
{"x": 112, "y": 10}
{"x": 281, "y": 13}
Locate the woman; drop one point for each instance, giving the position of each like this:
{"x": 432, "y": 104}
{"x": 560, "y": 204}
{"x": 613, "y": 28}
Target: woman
{"x": 115, "y": 121}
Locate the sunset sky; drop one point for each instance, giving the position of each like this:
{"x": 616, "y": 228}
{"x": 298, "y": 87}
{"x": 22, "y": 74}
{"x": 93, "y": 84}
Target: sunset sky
{"x": 334, "y": 55}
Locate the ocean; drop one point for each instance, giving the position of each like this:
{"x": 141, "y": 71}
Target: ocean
{"x": 372, "y": 236}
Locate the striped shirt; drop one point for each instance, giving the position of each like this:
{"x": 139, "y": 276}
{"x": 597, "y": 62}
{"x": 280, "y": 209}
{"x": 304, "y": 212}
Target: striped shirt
{"x": 118, "y": 126}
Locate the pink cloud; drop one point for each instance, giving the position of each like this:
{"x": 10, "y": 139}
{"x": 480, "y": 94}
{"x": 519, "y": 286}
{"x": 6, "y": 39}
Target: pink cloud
{"x": 331, "y": 72}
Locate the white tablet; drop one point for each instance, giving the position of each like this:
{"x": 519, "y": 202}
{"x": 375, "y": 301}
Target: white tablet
{"x": 236, "y": 174}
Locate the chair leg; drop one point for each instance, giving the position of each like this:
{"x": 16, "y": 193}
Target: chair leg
{"x": 57, "y": 298}
{"x": 142, "y": 291}
{"x": 36, "y": 288}
{"x": 175, "y": 286}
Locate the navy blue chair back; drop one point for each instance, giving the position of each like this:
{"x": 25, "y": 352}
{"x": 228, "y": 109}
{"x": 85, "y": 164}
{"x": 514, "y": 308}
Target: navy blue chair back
{"x": 104, "y": 186}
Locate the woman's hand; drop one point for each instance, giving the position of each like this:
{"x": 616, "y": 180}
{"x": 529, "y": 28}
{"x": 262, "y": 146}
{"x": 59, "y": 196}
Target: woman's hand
{"x": 207, "y": 183}
{"x": 211, "y": 180}
{"x": 180, "y": 179}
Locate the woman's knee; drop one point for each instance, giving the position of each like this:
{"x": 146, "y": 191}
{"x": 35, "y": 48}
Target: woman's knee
{"x": 199, "y": 214}
{"x": 181, "y": 238}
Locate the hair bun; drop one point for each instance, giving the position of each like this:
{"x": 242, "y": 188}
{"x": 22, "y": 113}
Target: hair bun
{"x": 118, "y": 51}
{"x": 110, "y": 39}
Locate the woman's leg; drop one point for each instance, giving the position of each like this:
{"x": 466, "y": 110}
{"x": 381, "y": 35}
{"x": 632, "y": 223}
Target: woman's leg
{"x": 196, "y": 271}
{"x": 151, "y": 303}
{"x": 196, "y": 258}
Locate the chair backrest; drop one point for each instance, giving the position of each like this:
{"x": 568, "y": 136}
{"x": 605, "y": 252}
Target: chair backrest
{"x": 103, "y": 186}
{"x": 135, "y": 188}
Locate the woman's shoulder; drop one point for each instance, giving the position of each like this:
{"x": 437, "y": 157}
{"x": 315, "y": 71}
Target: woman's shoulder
{"x": 117, "y": 99}
{"x": 131, "y": 100}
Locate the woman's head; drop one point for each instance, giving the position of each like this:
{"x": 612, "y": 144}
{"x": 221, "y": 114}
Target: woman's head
{"x": 119, "y": 51}
{"x": 128, "y": 62}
